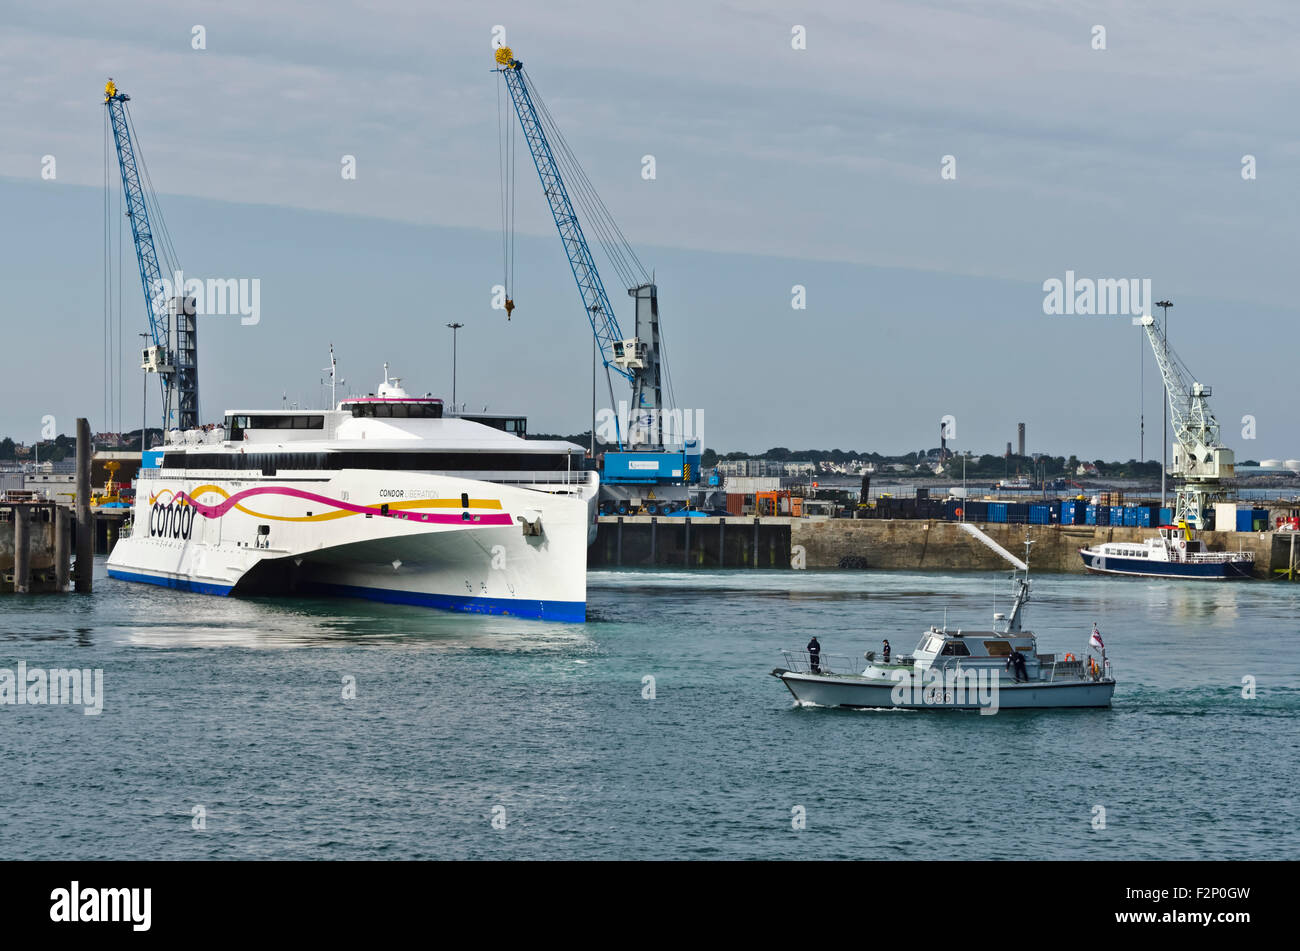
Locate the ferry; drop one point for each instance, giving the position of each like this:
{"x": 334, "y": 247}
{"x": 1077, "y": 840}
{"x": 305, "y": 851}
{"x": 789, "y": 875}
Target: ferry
{"x": 385, "y": 497}
{"x": 984, "y": 670}
{"x": 1169, "y": 555}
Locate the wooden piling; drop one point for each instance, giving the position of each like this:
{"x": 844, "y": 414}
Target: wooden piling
{"x": 62, "y": 555}
{"x": 22, "y": 549}
{"x": 84, "y": 570}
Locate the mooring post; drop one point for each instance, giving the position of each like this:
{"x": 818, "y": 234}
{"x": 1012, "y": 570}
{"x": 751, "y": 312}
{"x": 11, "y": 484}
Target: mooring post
{"x": 85, "y": 567}
{"x": 654, "y": 522}
{"x": 722, "y": 541}
{"x": 619, "y": 549}
{"x": 686, "y": 547}
{"x": 62, "y": 554}
{"x": 756, "y": 543}
{"x": 22, "y": 549}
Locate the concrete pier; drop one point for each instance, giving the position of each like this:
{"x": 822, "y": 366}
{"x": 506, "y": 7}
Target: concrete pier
{"x": 899, "y": 544}
{"x": 713, "y": 542}
{"x": 29, "y": 548}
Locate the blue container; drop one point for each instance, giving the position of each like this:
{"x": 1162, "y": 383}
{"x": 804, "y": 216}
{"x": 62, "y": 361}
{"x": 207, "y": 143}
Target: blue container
{"x": 1040, "y": 515}
{"x": 1166, "y": 516}
{"x": 997, "y": 512}
{"x": 1090, "y": 515}
{"x": 1130, "y": 516}
{"x": 1144, "y": 517}
{"x": 1117, "y": 515}
{"x": 1245, "y": 520}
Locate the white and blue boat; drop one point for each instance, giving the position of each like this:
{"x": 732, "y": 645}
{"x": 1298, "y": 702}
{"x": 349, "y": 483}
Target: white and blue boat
{"x": 1170, "y": 555}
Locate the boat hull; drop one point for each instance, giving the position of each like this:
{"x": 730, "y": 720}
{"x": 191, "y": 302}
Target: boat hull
{"x": 1151, "y": 568}
{"x": 858, "y": 693}
{"x": 407, "y": 539}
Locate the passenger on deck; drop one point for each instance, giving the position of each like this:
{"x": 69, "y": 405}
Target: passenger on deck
{"x": 886, "y": 652}
{"x": 814, "y": 655}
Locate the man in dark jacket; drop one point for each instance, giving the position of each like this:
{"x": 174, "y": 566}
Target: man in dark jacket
{"x": 1016, "y": 664}
{"x": 814, "y": 655}
{"x": 886, "y": 652}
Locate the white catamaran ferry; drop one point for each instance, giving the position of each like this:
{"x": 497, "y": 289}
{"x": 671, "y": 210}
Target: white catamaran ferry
{"x": 385, "y": 497}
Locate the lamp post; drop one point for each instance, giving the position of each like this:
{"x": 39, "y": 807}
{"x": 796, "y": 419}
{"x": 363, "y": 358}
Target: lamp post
{"x": 1164, "y": 408}
{"x": 454, "y": 327}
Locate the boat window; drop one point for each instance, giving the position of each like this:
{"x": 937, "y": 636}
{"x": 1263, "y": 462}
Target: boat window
{"x": 396, "y": 410}
{"x": 955, "y": 649}
{"x": 393, "y": 461}
{"x": 998, "y": 648}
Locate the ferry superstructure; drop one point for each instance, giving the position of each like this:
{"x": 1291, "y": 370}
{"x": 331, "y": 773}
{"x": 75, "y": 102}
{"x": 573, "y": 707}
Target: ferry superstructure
{"x": 385, "y": 497}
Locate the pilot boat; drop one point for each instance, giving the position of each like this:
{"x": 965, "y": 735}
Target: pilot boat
{"x": 384, "y": 497}
{"x": 1170, "y": 555}
{"x": 961, "y": 669}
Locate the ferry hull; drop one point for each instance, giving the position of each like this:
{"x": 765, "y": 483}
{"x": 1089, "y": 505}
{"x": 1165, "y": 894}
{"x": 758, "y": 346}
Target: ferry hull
{"x": 511, "y": 551}
{"x": 1152, "y": 568}
{"x": 856, "y": 693}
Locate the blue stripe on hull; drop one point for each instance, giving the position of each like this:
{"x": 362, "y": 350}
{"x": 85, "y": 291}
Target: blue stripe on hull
{"x": 570, "y": 611}
{"x": 166, "y": 581}
{"x": 1165, "y": 569}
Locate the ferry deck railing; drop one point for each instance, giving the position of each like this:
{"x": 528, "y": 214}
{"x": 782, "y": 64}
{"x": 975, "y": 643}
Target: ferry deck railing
{"x": 837, "y": 665}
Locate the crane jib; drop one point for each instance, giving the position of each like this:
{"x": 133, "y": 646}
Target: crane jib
{"x": 594, "y": 299}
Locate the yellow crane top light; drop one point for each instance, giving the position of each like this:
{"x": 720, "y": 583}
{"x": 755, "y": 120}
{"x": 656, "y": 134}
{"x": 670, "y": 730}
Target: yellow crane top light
{"x": 110, "y": 90}
{"x": 504, "y": 56}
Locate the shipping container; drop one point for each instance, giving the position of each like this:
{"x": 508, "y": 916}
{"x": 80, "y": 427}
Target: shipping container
{"x": 1018, "y": 512}
{"x": 1090, "y": 515}
{"x": 1117, "y": 515}
{"x": 977, "y": 511}
{"x": 735, "y": 503}
{"x": 1040, "y": 514}
{"x": 1144, "y": 517}
{"x": 997, "y": 512}
{"x": 1166, "y": 516}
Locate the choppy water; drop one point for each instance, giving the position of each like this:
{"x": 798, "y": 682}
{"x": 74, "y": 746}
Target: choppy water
{"x": 236, "y": 705}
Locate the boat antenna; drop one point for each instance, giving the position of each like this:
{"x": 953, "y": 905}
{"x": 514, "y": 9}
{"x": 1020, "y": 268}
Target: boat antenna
{"x": 333, "y": 370}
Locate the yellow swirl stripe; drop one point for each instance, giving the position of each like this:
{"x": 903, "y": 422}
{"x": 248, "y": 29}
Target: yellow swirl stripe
{"x": 330, "y": 516}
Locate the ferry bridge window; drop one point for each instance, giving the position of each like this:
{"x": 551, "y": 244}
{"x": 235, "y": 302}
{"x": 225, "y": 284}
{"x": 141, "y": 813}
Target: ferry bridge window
{"x": 271, "y": 462}
{"x": 397, "y": 410}
{"x": 955, "y": 649}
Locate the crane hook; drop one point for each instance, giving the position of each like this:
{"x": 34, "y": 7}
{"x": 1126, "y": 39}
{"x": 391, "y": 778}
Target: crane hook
{"x": 510, "y": 306}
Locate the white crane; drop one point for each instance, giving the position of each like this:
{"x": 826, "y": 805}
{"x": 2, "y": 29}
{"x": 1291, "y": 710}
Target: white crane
{"x": 1202, "y": 465}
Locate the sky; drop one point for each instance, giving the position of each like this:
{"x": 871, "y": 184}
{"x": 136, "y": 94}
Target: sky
{"x": 775, "y": 166}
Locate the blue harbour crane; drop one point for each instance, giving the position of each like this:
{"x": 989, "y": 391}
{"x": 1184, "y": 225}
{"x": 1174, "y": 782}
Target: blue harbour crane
{"x": 173, "y": 351}
{"x": 643, "y": 457}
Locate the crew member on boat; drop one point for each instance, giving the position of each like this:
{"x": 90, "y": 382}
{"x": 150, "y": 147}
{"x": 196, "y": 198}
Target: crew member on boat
{"x": 886, "y": 652}
{"x": 814, "y": 655}
{"x": 1016, "y": 664}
